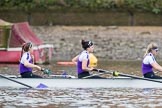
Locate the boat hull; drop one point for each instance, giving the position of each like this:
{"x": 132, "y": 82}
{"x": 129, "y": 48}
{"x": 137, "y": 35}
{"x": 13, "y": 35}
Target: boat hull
{"x": 80, "y": 83}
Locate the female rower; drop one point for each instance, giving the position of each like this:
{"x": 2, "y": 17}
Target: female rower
{"x": 149, "y": 62}
{"x": 82, "y": 60}
{"x": 27, "y": 62}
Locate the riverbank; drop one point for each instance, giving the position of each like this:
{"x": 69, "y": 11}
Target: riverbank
{"x": 111, "y": 42}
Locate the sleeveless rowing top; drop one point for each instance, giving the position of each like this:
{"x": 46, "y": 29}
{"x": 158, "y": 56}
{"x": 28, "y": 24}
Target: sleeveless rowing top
{"x": 83, "y": 56}
{"x": 22, "y": 68}
{"x": 146, "y": 63}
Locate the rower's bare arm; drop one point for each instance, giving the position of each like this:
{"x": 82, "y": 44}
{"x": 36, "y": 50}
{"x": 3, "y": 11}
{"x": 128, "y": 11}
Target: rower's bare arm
{"x": 84, "y": 66}
{"x": 156, "y": 66}
{"x": 74, "y": 60}
{"x": 27, "y": 64}
{"x": 32, "y": 56}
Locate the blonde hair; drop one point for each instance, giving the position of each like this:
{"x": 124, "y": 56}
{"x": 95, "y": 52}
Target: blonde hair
{"x": 150, "y": 47}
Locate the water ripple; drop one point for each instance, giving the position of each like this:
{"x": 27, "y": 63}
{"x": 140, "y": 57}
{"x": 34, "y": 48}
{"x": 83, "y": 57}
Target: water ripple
{"x": 79, "y": 97}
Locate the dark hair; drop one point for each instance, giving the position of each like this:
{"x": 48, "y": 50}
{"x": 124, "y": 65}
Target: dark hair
{"x": 86, "y": 44}
{"x": 26, "y": 47}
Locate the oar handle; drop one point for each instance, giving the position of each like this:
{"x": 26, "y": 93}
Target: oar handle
{"x": 46, "y": 71}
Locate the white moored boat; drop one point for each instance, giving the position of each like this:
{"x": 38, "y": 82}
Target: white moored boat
{"x": 80, "y": 83}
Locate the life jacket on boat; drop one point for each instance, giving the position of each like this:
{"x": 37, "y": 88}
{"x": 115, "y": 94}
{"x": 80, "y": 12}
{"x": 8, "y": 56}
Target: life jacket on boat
{"x": 93, "y": 60}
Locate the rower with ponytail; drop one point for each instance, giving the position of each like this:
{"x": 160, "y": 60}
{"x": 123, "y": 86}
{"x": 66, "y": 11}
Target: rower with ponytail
{"x": 149, "y": 62}
{"x": 27, "y": 62}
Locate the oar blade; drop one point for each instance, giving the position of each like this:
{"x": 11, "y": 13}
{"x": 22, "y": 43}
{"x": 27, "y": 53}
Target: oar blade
{"x": 42, "y": 86}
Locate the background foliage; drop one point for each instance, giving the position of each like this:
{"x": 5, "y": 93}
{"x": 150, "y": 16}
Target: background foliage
{"x": 154, "y": 6}
{"x": 73, "y": 12}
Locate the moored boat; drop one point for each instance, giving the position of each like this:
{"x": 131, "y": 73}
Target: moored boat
{"x": 13, "y": 35}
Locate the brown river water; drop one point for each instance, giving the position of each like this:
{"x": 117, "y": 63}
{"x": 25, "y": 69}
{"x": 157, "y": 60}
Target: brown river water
{"x": 81, "y": 97}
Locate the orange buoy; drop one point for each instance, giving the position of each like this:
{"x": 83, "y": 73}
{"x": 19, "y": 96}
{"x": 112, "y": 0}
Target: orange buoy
{"x": 65, "y": 63}
{"x": 93, "y": 61}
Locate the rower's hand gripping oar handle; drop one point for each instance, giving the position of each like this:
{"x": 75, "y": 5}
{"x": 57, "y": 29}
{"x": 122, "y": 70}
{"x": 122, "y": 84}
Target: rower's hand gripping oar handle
{"x": 46, "y": 71}
{"x": 115, "y": 73}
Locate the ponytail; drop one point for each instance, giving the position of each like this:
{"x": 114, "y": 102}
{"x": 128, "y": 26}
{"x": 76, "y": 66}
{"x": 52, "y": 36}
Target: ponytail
{"x": 26, "y": 47}
{"x": 82, "y": 42}
{"x": 22, "y": 50}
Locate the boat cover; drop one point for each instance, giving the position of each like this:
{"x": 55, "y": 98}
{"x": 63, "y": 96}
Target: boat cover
{"x": 15, "y": 34}
{"x": 22, "y": 33}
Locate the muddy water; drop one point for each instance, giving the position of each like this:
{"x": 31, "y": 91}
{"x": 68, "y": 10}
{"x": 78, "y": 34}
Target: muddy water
{"x": 81, "y": 97}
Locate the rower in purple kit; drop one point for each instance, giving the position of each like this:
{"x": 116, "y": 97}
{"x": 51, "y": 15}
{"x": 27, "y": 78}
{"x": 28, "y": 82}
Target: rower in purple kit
{"x": 149, "y": 62}
{"x": 82, "y": 60}
{"x": 27, "y": 62}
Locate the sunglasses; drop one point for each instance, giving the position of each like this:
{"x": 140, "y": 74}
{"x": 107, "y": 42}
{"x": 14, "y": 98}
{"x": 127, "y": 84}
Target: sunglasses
{"x": 156, "y": 50}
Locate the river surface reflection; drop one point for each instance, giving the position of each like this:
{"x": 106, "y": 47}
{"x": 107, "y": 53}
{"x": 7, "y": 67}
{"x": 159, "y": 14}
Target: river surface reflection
{"x": 81, "y": 97}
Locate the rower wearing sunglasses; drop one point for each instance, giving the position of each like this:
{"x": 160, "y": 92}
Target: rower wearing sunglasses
{"x": 149, "y": 62}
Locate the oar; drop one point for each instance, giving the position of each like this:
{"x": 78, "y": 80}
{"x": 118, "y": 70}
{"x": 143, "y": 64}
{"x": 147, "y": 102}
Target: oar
{"x": 15, "y": 81}
{"x": 45, "y": 71}
{"x": 115, "y": 73}
{"x": 93, "y": 75}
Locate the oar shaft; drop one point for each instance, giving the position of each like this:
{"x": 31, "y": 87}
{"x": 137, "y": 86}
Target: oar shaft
{"x": 101, "y": 72}
{"x": 136, "y": 77}
{"x": 126, "y": 75}
{"x": 92, "y": 75}
{"x": 16, "y": 81}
